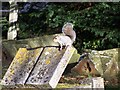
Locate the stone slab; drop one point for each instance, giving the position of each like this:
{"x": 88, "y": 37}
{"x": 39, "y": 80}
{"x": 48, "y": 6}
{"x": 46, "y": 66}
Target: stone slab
{"x": 21, "y": 66}
{"x": 39, "y": 67}
{"x": 50, "y": 67}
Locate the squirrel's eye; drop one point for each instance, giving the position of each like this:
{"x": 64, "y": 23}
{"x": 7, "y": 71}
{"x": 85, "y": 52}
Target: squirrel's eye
{"x": 55, "y": 38}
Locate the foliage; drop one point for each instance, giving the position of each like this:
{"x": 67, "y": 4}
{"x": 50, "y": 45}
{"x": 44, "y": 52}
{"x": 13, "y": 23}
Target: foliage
{"x": 4, "y": 25}
{"x": 96, "y": 24}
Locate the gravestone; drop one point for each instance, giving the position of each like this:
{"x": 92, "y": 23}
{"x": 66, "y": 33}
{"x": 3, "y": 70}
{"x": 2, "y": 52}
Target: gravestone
{"x": 37, "y": 67}
{"x": 21, "y": 66}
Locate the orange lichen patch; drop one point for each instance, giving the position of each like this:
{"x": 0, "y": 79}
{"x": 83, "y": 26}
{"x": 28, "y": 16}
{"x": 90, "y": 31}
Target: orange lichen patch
{"x": 47, "y": 61}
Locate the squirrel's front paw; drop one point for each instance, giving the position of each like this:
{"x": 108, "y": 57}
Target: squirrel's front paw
{"x": 60, "y": 49}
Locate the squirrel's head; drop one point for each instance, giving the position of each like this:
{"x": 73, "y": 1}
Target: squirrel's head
{"x": 68, "y": 26}
{"x": 56, "y": 38}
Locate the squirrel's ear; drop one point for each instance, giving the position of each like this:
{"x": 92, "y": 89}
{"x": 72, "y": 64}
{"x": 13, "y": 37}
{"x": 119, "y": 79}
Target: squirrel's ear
{"x": 69, "y": 23}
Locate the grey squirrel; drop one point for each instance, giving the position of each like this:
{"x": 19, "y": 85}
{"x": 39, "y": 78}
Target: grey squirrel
{"x": 69, "y": 36}
{"x": 67, "y": 30}
{"x": 63, "y": 41}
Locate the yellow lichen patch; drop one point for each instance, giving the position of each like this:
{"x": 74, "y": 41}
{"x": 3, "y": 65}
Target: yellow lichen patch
{"x": 20, "y": 53}
{"x": 22, "y": 59}
{"x": 47, "y": 61}
{"x": 12, "y": 72}
{"x": 27, "y": 56}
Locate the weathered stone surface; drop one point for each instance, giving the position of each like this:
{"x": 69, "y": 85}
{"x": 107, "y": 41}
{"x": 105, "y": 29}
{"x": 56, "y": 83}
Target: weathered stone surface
{"x": 98, "y": 83}
{"x": 45, "y": 67}
{"x": 12, "y": 46}
{"x": 95, "y": 57}
{"x": 85, "y": 67}
{"x": 75, "y": 57}
{"x": 106, "y": 62}
{"x": 21, "y": 66}
{"x": 95, "y": 83}
{"x": 50, "y": 67}
{"x": 109, "y": 59}
{"x": 41, "y": 67}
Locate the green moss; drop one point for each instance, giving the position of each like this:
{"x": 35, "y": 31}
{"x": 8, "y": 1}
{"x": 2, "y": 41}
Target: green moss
{"x": 66, "y": 85}
{"x": 75, "y": 57}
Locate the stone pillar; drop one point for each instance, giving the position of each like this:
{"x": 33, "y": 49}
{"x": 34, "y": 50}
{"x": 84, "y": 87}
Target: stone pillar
{"x": 13, "y": 17}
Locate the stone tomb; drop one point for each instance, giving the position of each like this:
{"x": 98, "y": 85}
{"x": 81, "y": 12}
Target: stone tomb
{"x": 37, "y": 67}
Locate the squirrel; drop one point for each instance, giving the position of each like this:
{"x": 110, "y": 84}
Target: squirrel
{"x": 69, "y": 36}
{"x": 63, "y": 41}
{"x": 67, "y": 30}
